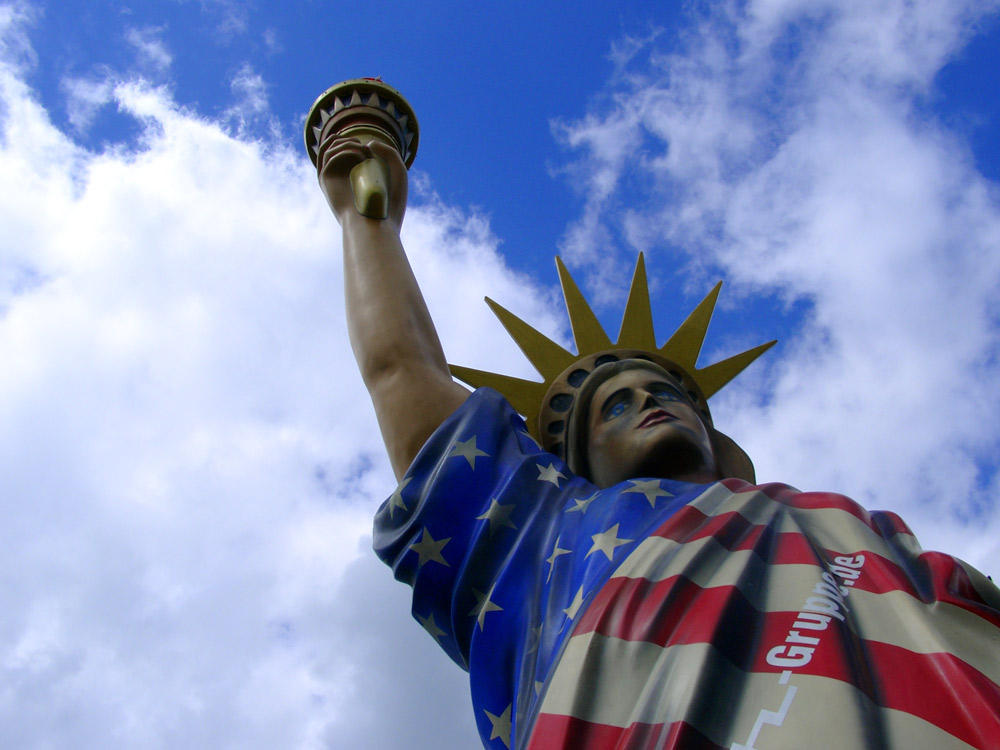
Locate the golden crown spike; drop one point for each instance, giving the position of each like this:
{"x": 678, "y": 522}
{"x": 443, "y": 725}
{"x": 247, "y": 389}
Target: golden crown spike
{"x": 545, "y": 404}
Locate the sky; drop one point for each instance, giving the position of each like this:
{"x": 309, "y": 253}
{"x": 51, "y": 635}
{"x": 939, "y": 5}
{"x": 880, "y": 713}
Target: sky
{"x": 189, "y": 460}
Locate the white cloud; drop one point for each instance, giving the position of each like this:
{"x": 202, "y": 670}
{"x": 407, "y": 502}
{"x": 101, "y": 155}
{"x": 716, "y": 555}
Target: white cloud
{"x": 15, "y": 44}
{"x": 272, "y": 41}
{"x": 87, "y": 95}
{"x": 189, "y": 460}
{"x": 232, "y": 16}
{"x": 251, "y": 110}
{"x": 152, "y": 50}
{"x": 85, "y": 98}
{"x": 786, "y": 145}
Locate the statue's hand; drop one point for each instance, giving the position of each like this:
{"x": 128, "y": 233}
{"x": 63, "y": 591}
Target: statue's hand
{"x": 338, "y": 156}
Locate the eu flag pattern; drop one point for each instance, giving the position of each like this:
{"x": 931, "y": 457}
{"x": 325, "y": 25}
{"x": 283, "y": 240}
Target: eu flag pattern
{"x": 659, "y": 614}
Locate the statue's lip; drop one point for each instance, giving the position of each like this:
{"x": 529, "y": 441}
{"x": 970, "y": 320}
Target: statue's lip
{"x": 655, "y": 417}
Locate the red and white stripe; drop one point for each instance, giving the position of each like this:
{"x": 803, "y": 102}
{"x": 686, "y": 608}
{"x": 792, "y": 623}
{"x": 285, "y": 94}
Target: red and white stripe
{"x": 672, "y": 652}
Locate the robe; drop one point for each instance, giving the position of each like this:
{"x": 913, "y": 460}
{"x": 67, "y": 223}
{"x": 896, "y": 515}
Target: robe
{"x": 662, "y": 614}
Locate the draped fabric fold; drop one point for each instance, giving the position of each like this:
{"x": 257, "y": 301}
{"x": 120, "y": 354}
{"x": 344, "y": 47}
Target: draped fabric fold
{"x": 659, "y": 614}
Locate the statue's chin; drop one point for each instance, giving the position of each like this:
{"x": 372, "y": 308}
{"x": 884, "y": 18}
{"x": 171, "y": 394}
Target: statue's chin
{"x": 677, "y": 459}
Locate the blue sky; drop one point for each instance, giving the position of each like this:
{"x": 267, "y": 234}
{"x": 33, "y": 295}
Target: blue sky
{"x": 190, "y": 461}
{"x": 490, "y": 86}
{"x": 486, "y": 83}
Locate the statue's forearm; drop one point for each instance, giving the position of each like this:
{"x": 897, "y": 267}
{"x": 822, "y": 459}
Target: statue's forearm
{"x": 387, "y": 318}
{"x": 394, "y": 339}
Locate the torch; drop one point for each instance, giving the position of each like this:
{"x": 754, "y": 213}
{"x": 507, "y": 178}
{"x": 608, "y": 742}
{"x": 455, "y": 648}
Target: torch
{"x": 365, "y": 108}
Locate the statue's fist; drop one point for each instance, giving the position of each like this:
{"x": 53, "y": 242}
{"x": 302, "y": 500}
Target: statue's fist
{"x": 339, "y": 155}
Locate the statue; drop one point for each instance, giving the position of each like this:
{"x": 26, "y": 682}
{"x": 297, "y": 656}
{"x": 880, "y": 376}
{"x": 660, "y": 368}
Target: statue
{"x": 608, "y": 572}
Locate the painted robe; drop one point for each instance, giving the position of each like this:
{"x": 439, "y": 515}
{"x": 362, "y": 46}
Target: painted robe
{"x": 659, "y": 614}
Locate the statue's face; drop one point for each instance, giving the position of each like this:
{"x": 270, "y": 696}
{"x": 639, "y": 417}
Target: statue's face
{"x": 642, "y": 424}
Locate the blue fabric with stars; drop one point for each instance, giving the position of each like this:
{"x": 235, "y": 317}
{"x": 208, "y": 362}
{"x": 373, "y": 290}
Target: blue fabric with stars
{"x": 504, "y": 548}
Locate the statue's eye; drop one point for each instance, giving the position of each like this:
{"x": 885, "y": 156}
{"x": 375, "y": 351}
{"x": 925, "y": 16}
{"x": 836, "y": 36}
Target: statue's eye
{"x": 667, "y": 394}
{"x": 616, "y": 409}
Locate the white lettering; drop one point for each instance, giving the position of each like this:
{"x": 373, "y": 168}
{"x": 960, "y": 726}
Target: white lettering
{"x": 851, "y": 561}
{"x": 774, "y": 718}
{"x": 816, "y": 616}
{"x": 819, "y": 622}
{"x": 794, "y": 656}
{"x": 831, "y": 592}
{"x": 794, "y": 637}
{"x": 834, "y": 582}
{"x": 848, "y": 574}
{"x": 822, "y": 604}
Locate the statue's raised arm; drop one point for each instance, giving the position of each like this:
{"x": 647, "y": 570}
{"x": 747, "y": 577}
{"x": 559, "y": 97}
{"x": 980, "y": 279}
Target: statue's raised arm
{"x": 392, "y": 334}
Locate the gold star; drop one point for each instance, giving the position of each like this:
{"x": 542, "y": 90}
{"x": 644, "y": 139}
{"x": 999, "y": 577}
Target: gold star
{"x": 538, "y": 687}
{"x": 499, "y": 515}
{"x": 549, "y": 474}
{"x": 552, "y": 559}
{"x": 467, "y": 449}
{"x": 429, "y": 549}
{"x": 607, "y": 542}
{"x": 574, "y": 607}
{"x": 430, "y": 626}
{"x": 483, "y": 607}
{"x": 501, "y": 725}
{"x": 582, "y": 505}
{"x": 396, "y": 499}
{"x": 648, "y": 487}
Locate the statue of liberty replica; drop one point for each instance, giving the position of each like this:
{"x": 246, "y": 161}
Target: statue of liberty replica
{"x": 598, "y": 555}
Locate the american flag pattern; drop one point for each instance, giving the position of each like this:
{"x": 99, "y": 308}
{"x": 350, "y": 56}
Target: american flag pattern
{"x": 658, "y": 614}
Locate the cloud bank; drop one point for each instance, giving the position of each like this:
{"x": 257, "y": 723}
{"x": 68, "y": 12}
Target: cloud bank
{"x": 790, "y": 146}
{"x": 190, "y": 462}
{"x": 189, "y": 459}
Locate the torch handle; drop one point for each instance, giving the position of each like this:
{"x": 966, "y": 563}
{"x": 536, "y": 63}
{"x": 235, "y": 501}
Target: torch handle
{"x": 370, "y": 185}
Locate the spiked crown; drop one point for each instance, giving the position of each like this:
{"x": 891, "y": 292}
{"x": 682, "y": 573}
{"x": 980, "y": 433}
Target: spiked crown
{"x": 545, "y": 405}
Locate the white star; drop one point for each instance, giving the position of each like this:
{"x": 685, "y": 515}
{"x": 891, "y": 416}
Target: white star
{"x": 483, "y": 607}
{"x": 467, "y": 449}
{"x": 535, "y": 637}
{"x": 575, "y": 605}
{"x": 648, "y": 487}
{"x": 552, "y": 559}
{"x": 430, "y": 626}
{"x": 582, "y": 505}
{"x": 538, "y": 687}
{"x": 549, "y": 474}
{"x": 607, "y": 542}
{"x": 501, "y": 725}
{"x": 396, "y": 499}
{"x": 429, "y": 549}
{"x": 499, "y": 515}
